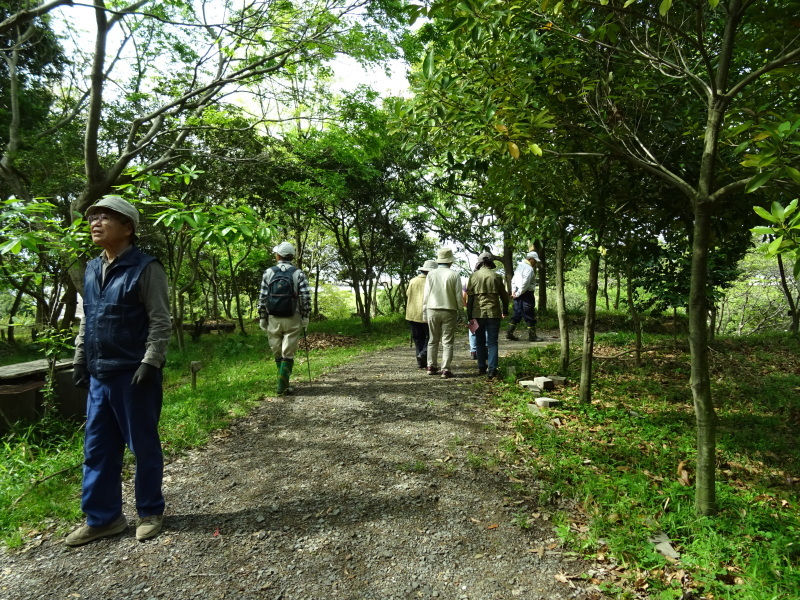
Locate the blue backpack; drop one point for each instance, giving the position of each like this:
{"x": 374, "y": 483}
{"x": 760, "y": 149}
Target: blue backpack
{"x": 281, "y": 295}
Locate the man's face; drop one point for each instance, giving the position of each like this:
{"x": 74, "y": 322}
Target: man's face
{"x": 107, "y": 230}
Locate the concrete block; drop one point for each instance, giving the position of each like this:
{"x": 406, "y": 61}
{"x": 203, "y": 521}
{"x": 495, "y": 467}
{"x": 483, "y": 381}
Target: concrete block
{"x": 544, "y": 383}
{"x": 547, "y": 402}
{"x": 530, "y": 386}
{"x": 558, "y": 380}
{"x": 533, "y": 408}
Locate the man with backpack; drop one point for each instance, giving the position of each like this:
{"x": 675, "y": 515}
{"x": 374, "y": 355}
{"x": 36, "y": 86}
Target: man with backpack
{"x": 284, "y": 306}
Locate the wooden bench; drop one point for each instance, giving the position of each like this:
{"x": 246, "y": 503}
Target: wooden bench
{"x": 21, "y": 398}
{"x": 198, "y": 328}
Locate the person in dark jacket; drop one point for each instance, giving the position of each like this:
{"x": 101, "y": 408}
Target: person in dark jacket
{"x": 119, "y": 354}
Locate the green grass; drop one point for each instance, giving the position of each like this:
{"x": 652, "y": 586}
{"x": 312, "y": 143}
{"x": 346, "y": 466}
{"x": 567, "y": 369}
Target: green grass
{"x": 621, "y": 459}
{"x": 40, "y": 473}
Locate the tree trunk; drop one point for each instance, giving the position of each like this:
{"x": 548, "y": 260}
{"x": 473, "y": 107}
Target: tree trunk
{"x": 619, "y": 290}
{"x": 588, "y": 330}
{"x": 793, "y": 308}
{"x": 508, "y": 259}
{"x": 235, "y": 290}
{"x": 541, "y": 283}
{"x": 13, "y": 313}
{"x": 605, "y": 283}
{"x": 563, "y": 325}
{"x": 70, "y": 302}
{"x": 637, "y": 323}
{"x": 712, "y": 313}
{"x": 316, "y": 291}
{"x": 705, "y": 493}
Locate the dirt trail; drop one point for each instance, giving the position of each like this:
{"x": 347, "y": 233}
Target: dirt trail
{"x": 366, "y": 484}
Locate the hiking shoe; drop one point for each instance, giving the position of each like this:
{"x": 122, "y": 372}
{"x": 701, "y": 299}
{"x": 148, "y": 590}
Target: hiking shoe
{"x": 491, "y": 374}
{"x": 481, "y": 370}
{"x": 473, "y": 355}
{"x": 148, "y": 527}
{"x": 432, "y": 370}
{"x": 447, "y": 374}
{"x": 86, "y": 533}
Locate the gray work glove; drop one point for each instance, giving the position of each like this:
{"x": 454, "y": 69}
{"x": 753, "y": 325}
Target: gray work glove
{"x": 262, "y": 323}
{"x": 80, "y": 375}
{"x": 145, "y": 375}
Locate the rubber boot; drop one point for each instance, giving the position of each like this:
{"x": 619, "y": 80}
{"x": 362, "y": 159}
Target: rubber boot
{"x": 510, "y": 333}
{"x": 283, "y": 378}
{"x": 532, "y": 337}
{"x": 288, "y": 366}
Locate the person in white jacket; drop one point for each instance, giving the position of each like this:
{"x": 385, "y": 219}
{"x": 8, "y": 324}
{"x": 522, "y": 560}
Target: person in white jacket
{"x": 523, "y": 286}
{"x": 441, "y": 304}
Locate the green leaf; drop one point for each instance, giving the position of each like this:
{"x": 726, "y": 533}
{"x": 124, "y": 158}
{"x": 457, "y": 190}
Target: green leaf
{"x": 797, "y": 268}
{"x": 762, "y": 230}
{"x": 757, "y": 181}
{"x": 777, "y": 211}
{"x": 713, "y": 3}
{"x": 775, "y": 245}
{"x": 793, "y": 173}
{"x": 13, "y": 246}
{"x": 665, "y": 6}
{"x": 427, "y": 65}
{"x": 457, "y": 23}
{"x": 764, "y": 214}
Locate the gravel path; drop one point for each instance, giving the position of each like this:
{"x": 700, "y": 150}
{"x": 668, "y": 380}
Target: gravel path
{"x": 363, "y": 485}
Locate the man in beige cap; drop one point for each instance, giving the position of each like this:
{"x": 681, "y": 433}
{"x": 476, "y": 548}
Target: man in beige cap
{"x": 284, "y": 307}
{"x": 441, "y": 302}
{"x": 419, "y": 328}
{"x": 119, "y": 353}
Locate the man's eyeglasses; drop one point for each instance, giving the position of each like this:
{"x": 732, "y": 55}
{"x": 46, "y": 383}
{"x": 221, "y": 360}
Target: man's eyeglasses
{"x": 102, "y": 217}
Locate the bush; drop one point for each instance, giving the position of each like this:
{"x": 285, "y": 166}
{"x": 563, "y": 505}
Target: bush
{"x": 335, "y": 303}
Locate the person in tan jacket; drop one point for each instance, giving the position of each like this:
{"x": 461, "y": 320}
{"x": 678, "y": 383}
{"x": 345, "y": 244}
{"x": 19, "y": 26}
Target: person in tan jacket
{"x": 419, "y": 328}
{"x": 441, "y": 304}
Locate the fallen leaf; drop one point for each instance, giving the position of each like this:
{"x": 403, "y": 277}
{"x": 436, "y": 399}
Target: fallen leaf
{"x": 495, "y": 526}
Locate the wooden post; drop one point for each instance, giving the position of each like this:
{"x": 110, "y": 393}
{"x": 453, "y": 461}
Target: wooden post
{"x": 194, "y": 367}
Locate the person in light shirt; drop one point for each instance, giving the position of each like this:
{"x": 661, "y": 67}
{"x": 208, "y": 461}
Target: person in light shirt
{"x": 523, "y": 286}
{"x": 441, "y": 306}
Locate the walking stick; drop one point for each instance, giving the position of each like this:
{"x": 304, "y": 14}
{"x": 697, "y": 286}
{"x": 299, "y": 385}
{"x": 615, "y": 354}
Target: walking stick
{"x": 308, "y": 360}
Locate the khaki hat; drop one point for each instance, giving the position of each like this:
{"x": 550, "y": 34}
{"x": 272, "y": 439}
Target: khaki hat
{"x": 284, "y": 249}
{"x": 444, "y": 255}
{"x": 118, "y": 205}
{"x": 429, "y": 265}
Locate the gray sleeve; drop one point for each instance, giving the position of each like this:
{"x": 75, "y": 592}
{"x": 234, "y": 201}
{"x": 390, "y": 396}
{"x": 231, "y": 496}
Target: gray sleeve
{"x": 80, "y": 357}
{"x": 154, "y": 291}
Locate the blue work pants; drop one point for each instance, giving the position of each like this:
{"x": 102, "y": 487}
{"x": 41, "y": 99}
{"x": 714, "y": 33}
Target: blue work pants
{"x": 486, "y": 343}
{"x": 524, "y": 309}
{"x": 120, "y": 414}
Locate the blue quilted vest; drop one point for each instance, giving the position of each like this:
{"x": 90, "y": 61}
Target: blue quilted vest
{"x": 115, "y": 318}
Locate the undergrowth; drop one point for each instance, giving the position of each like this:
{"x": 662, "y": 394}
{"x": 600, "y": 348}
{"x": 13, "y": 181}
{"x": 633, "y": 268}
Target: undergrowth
{"x": 627, "y": 460}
